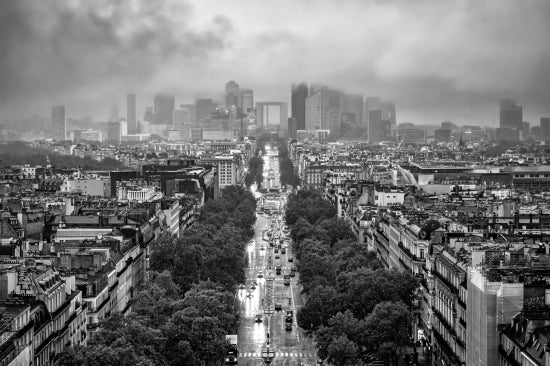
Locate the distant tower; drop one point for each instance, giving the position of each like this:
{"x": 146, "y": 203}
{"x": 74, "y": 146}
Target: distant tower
{"x": 511, "y": 114}
{"x": 131, "y": 114}
{"x": 299, "y": 94}
{"x": 247, "y": 100}
{"x": 164, "y": 109}
{"x": 59, "y": 122}
{"x": 231, "y": 94}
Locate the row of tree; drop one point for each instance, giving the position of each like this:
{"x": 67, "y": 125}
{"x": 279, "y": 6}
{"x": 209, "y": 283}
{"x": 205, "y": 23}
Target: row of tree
{"x": 18, "y": 153}
{"x": 288, "y": 175}
{"x": 356, "y": 310}
{"x": 188, "y": 306}
{"x": 255, "y": 172}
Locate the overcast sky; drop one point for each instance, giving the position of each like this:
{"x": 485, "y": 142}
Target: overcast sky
{"x": 438, "y": 60}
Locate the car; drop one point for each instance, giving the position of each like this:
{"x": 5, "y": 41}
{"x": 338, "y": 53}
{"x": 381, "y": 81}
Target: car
{"x": 288, "y": 326}
{"x": 283, "y": 251}
{"x": 278, "y": 307}
{"x": 277, "y": 256}
{"x": 260, "y": 274}
{"x": 275, "y": 250}
{"x": 289, "y": 314}
{"x": 253, "y": 287}
{"x": 262, "y": 248}
{"x": 292, "y": 274}
{"x": 259, "y": 318}
{"x": 290, "y": 259}
{"x": 287, "y": 282}
{"x": 286, "y": 277}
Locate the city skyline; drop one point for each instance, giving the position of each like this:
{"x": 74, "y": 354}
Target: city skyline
{"x": 436, "y": 62}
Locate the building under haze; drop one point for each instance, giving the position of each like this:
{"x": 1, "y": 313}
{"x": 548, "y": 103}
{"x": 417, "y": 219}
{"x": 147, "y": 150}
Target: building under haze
{"x": 164, "y": 109}
{"x": 247, "y": 100}
{"x": 131, "y": 114}
{"x": 204, "y": 110}
{"x": 371, "y": 104}
{"x": 351, "y": 108}
{"x": 298, "y": 104}
{"x": 292, "y": 127}
{"x": 323, "y": 111}
{"x": 511, "y": 114}
{"x": 388, "y": 112}
{"x": 272, "y": 115}
{"x": 379, "y": 129}
{"x": 231, "y": 94}
{"x": 59, "y": 122}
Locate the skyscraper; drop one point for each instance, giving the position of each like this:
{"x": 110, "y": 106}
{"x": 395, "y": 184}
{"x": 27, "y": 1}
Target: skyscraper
{"x": 231, "y": 94}
{"x": 351, "y": 106}
{"x": 247, "y": 100}
{"x": 511, "y": 114}
{"x": 323, "y": 111}
{"x": 292, "y": 127}
{"x": 131, "y": 114}
{"x": 298, "y": 104}
{"x": 164, "y": 109}
{"x": 388, "y": 112}
{"x": 59, "y": 122}
{"x": 379, "y": 129}
{"x": 182, "y": 117}
{"x": 204, "y": 110}
{"x": 371, "y": 104}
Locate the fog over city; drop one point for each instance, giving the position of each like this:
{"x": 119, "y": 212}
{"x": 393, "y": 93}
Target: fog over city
{"x": 437, "y": 60}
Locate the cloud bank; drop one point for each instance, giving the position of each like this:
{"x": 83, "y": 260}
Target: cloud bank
{"x": 438, "y": 60}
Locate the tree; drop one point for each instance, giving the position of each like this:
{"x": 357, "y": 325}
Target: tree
{"x": 322, "y": 304}
{"x": 388, "y": 327}
{"x": 343, "y": 352}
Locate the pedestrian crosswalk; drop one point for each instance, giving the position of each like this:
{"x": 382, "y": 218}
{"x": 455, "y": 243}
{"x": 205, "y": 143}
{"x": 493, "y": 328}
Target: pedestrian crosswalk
{"x": 277, "y": 354}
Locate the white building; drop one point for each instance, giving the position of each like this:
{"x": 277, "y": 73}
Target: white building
{"x": 227, "y": 171}
{"x": 388, "y": 197}
{"x": 87, "y": 186}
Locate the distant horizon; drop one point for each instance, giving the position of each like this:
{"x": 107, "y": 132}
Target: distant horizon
{"x": 436, "y": 61}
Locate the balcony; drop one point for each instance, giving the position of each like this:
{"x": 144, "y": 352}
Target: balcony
{"x": 445, "y": 281}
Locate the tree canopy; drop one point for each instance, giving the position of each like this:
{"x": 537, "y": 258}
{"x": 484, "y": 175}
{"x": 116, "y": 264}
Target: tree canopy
{"x": 187, "y": 308}
{"x": 352, "y": 303}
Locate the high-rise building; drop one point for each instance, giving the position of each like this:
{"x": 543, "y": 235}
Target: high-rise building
{"x": 298, "y": 104}
{"x": 379, "y": 129}
{"x": 131, "y": 114}
{"x": 323, "y": 111}
{"x": 371, "y": 104}
{"x": 272, "y": 115}
{"x": 351, "y": 108}
{"x": 164, "y": 109}
{"x": 511, "y": 114}
{"x": 231, "y": 94}
{"x": 113, "y": 131}
{"x": 388, "y": 112}
{"x": 292, "y": 127}
{"x": 182, "y": 117}
{"x": 204, "y": 110}
{"x": 59, "y": 122}
{"x": 247, "y": 100}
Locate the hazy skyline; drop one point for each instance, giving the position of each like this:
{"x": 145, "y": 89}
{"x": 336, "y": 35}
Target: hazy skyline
{"x": 438, "y": 60}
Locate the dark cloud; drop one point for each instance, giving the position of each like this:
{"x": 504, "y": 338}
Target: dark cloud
{"x": 57, "y": 51}
{"x": 437, "y": 60}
